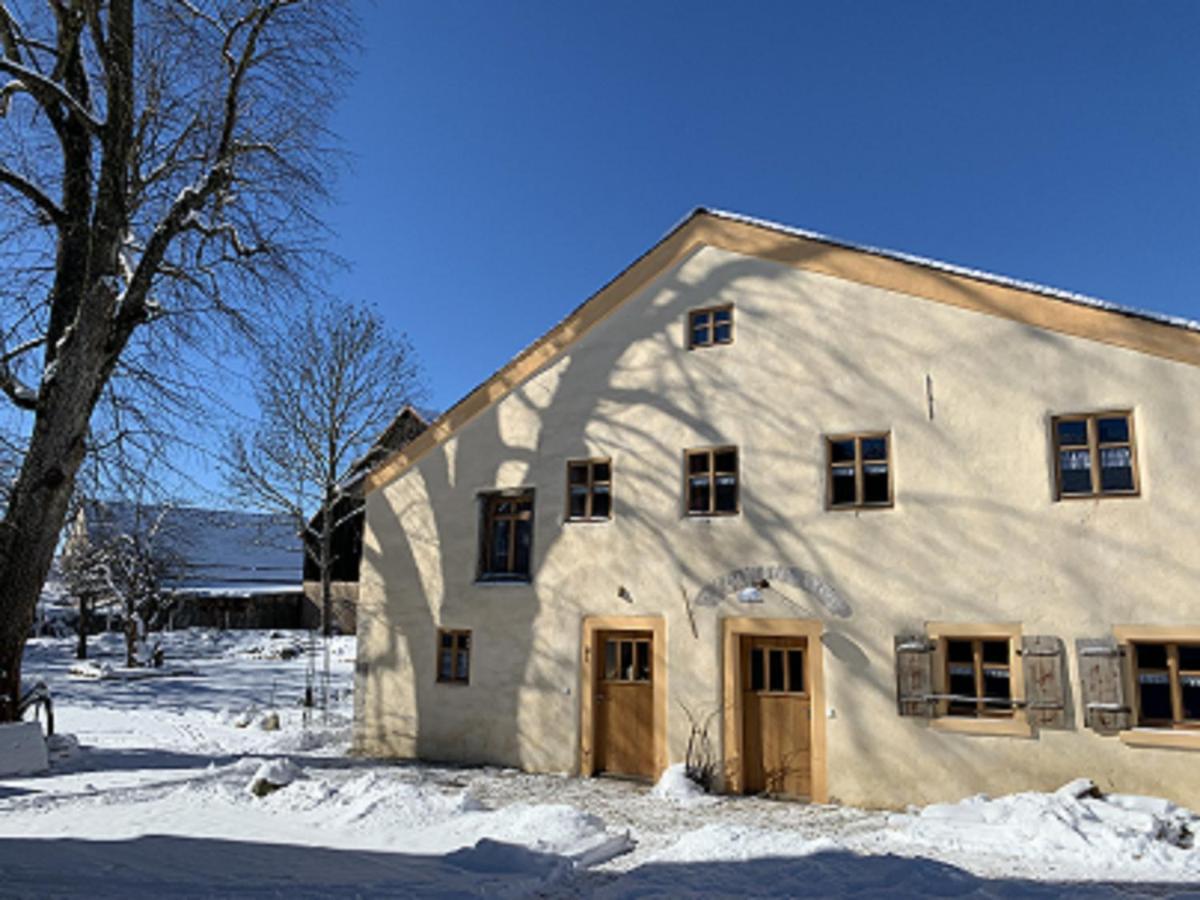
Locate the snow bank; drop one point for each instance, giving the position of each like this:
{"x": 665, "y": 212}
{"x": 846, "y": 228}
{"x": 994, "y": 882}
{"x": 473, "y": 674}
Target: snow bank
{"x": 272, "y": 775}
{"x": 675, "y": 786}
{"x": 1075, "y": 824}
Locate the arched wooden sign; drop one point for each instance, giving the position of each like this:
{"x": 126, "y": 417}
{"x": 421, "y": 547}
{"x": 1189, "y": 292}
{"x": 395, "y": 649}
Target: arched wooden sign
{"x": 739, "y": 580}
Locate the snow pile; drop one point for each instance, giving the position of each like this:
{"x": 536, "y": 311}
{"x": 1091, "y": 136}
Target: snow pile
{"x": 675, "y": 786}
{"x": 91, "y": 670}
{"x": 272, "y": 775}
{"x": 1075, "y": 824}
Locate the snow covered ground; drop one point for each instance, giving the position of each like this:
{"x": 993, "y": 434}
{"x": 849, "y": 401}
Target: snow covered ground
{"x": 177, "y": 789}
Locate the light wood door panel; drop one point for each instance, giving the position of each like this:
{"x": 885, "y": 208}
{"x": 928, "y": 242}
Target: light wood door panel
{"x": 624, "y": 703}
{"x": 776, "y": 716}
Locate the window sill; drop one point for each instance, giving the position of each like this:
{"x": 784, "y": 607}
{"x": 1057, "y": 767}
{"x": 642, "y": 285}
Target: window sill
{"x": 1017, "y": 727}
{"x": 498, "y": 581}
{"x": 1166, "y": 738}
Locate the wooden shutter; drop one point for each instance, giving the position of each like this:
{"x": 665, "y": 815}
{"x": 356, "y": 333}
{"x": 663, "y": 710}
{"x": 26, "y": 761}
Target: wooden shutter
{"x": 1102, "y": 679}
{"x": 1045, "y": 681}
{"x": 914, "y": 675}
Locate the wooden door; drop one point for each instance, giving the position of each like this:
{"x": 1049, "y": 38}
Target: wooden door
{"x": 776, "y": 716}
{"x": 624, "y": 703}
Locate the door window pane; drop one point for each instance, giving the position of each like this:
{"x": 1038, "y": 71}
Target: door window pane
{"x": 795, "y": 660}
{"x": 611, "y": 670}
{"x": 756, "y": 669}
{"x": 643, "y": 661}
{"x": 626, "y": 660}
{"x": 775, "y": 670}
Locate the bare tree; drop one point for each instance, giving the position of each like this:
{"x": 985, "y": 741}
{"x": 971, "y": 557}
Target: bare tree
{"x": 327, "y": 388}
{"x": 123, "y": 564}
{"x": 161, "y": 164}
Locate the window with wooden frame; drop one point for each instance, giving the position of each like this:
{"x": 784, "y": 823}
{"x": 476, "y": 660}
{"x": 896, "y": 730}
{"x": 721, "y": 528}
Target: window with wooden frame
{"x": 506, "y": 536}
{"x": 589, "y": 490}
{"x": 711, "y": 481}
{"x": 859, "y": 471}
{"x": 454, "y": 657}
{"x": 978, "y": 677}
{"x": 709, "y": 327}
{"x": 627, "y": 659}
{"x": 776, "y": 666}
{"x": 1166, "y": 685}
{"x": 1094, "y": 455}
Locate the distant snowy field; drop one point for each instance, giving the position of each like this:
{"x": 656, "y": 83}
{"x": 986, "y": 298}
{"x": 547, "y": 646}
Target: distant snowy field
{"x": 156, "y": 801}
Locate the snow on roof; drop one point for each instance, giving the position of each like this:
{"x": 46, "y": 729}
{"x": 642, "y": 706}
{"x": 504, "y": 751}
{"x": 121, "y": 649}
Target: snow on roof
{"x": 211, "y": 551}
{"x": 979, "y": 275}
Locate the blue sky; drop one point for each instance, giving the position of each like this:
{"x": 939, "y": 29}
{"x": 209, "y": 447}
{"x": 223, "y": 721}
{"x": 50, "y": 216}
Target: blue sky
{"x": 509, "y": 158}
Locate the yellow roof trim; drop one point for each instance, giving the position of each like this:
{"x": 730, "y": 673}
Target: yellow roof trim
{"x": 963, "y": 289}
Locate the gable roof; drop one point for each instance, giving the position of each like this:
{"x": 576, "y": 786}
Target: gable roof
{"x": 1021, "y": 301}
{"x": 209, "y": 551}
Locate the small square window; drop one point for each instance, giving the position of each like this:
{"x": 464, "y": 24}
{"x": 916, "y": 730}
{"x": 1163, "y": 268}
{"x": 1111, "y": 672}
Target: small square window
{"x": 1094, "y": 455}
{"x": 978, "y": 677}
{"x": 711, "y": 481}
{"x": 710, "y": 327}
{"x": 858, "y": 471}
{"x": 589, "y": 490}
{"x": 454, "y": 657}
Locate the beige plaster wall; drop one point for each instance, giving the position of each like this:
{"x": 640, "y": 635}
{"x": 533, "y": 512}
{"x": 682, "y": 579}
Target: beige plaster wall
{"x": 975, "y": 534}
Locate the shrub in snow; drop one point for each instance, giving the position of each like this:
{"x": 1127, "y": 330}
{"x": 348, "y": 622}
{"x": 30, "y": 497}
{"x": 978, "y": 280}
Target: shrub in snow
{"x": 273, "y": 775}
{"x": 269, "y": 722}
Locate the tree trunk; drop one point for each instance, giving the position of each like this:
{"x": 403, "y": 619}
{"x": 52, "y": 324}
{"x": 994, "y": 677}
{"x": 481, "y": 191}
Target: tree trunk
{"x": 38, "y": 501}
{"x": 85, "y": 610}
{"x": 327, "y": 566}
{"x": 28, "y": 536}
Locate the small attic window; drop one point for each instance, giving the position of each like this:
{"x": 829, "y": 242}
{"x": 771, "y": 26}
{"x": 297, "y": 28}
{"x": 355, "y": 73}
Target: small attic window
{"x": 709, "y": 327}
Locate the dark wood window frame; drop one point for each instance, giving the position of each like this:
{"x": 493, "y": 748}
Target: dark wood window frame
{"x": 453, "y": 656}
{"x": 710, "y": 337}
{"x": 590, "y": 483}
{"x": 712, "y": 473}
{"x": 1095, "y": 449}
{"x": 857, "y": 465}
{"x": 490, "y": 515}
{"x": 979, "y": 708}
{"x": 1175, "y": 673}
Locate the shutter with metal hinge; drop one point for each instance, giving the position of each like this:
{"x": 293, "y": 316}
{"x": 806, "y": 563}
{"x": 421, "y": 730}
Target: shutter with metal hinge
{"x": 1102, "y": 679}
{"x": 1042, "y": 657}
{"x": 914, "y": 675}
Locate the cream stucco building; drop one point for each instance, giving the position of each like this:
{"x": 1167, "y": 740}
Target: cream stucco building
{"x": 894, "y": 531}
